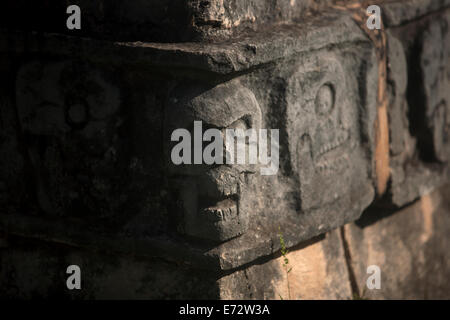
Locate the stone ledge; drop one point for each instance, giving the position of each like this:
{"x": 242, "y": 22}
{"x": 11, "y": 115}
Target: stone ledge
{"x": 246, "y": 52}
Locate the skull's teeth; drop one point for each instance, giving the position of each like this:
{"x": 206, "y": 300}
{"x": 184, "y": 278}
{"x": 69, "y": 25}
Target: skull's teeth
{"x": 326, "y": 166}
{"x": 224, "y": 211}
{"x": 336, "y": 143}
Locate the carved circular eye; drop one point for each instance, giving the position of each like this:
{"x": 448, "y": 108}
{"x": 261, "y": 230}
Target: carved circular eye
{"x": 77, "y": 114}
{"x": 325, "y": 99}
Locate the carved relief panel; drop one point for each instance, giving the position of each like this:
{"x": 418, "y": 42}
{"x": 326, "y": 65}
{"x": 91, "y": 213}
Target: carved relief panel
{"x": 326, "y": 138}
{"x": 418, "y": 78}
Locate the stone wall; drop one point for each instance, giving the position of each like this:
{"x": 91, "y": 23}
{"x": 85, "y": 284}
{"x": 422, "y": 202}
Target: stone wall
{"x": 86, "y": 175}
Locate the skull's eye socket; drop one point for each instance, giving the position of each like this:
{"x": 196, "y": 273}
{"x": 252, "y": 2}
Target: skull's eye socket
{"x": 325, "y": 99}
{"x": 242, "y": 123}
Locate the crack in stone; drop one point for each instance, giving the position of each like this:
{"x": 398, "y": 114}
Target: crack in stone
{"x": 348, "y": 263}
{"x": 381, "y": 125}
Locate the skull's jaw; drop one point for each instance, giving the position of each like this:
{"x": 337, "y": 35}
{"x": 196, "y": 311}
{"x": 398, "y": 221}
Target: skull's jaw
{"x": 211, "y": 206}
{"x": 332, "y": 157}
{"x": 222, "y": 221}
{"x": 324, "y": 172}
{"x": 219, "y": 222}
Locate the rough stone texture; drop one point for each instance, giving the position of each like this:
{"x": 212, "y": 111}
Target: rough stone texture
{"x": 396, "y": 13}
{"x": 82, "y": 147}
{"x": 410, "y": 247}
{"x": 32, "y": 269}
{"x": 318, "y": 272}
{"x": 419, "y": 80}
{"x": 85, "y": 143}
{"x": 156, "y": 20}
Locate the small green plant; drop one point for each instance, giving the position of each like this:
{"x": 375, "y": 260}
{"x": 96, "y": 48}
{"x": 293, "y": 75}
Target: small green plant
{"x": 356, "y": 296}
{"x": 287, "y": 267}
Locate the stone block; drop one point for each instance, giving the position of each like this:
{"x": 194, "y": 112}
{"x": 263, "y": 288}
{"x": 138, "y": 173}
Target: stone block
{"x": 86, "y": 124}
{"x": 13, "y": 171}
{"x": 98, "y": 122}
{"x": 418, "y": 57}
{"x": 90, "y": 157}
{"x": 318, "y": 272}
{"x": 31, "y": 269}
{"x": 410, "y": 247}
{"x": 396, "y": 13}
{"x": 156, "y": 20}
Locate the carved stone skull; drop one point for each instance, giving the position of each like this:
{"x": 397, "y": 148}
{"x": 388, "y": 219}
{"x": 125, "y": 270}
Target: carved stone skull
{"x": 214, "y": 196}
{"x": 324, "y": 133}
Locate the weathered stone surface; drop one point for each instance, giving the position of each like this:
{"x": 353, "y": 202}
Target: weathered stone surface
{"x": 225, "y": 58}
{"x": 435, "y": 66}
{"x": 108, "y": 131}
{"x": 283, "y": 193}
{"x": 324, "y": 133}
{"x": 85, "y": 139}
{"x": 156, "y": 20}
{"x": 410, "y": 247}
{"x": 91, "y": 161}
{"x": 334, "y": 129}
{"x": 400, "y": 12}
{"x": 132, "y": 20}
{"x": 215, "y": 198}
{"x": 32, "y": 269}
{"x": 187, "y": 20}
{"x": 13, "y": 172}
{"x": 418, "y": 62}
{"x": 318, "y": 272}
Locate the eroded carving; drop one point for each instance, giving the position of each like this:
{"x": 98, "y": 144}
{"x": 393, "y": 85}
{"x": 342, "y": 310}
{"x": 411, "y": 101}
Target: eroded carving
{"x": 318, "y": 94}
{"x": 324, "y": 135}
{"x": 418, "y": 115}
{"x": 435, "y": 66}
{"x": 213, "y": 197}
{"x": 69, "y": 113}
